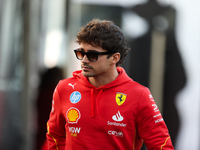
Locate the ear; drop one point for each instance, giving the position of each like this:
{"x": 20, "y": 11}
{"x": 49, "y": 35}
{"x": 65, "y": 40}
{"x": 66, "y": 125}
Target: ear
{"x": 115, "y": 58}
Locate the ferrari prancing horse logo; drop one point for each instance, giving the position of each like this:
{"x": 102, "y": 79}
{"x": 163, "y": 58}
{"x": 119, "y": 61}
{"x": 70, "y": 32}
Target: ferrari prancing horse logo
{"x": 120, "y": 98}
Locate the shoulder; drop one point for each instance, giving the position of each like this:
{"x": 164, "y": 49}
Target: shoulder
{"x": 138, "y": 87}
{"x": 65, "y": 87}
{"x": 65, "y": 83}
{"x": 135, "y": 89}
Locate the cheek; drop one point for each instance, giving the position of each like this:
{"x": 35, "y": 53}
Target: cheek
{"x": 104, "y": 65}
{"x": 101, "y": 65}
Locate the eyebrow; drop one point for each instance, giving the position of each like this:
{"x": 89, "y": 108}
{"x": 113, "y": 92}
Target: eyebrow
{"x": 82, "y": 49}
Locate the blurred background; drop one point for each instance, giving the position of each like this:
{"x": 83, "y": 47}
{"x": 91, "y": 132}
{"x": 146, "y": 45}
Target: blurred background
{"x": 36, "y": 51}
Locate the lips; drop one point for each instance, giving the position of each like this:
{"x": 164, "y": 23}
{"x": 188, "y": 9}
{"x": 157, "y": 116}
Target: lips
{"x": 86, "y": 67}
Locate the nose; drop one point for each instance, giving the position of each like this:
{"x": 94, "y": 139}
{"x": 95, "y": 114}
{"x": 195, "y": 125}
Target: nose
{"x": 85, "y": 59}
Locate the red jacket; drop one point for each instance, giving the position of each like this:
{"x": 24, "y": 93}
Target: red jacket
{"x": 120, "y": 115}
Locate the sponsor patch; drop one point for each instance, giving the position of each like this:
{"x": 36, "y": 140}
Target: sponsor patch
{"x": 115, "y": 133}
{"x": 116, "y": 124}
{"x": 75, "y": 97}
{"x": 151, "y": 97}
{"x": 74, "y": 131}
{"x": 155, "y": 107}
{"x": 72, "y": 85}
{"x": 120, "y": 98}
{"x": 117, "y": 117}
{"x": 159, "y": 120}
{"x": 73, "y": 115}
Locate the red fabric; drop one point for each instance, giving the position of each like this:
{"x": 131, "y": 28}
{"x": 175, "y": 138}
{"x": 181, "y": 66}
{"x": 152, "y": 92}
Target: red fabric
{"x": 127, "y": 115}
{"x": 44, "y": 146}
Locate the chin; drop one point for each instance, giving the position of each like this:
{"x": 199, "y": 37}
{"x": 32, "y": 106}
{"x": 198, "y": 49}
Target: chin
{"x": 86, "y": 74}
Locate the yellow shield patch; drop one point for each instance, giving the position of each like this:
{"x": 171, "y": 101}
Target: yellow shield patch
{"x": 120, "y": 98}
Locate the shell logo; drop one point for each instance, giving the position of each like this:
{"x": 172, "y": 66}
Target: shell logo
{"x": 73, "y": 115}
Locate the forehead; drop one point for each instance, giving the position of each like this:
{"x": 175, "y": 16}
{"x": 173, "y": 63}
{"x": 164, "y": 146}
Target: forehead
{"x": 87, "y": 47}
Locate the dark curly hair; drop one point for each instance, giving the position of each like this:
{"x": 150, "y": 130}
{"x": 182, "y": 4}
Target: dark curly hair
{"x": 105, "y": 34}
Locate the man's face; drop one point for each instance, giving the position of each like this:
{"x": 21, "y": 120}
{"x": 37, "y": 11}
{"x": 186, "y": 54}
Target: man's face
{"x": 97, "y": 68}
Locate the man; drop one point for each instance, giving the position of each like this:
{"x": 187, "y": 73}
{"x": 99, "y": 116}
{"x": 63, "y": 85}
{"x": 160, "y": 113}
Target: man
{"x": 100, "y": 107}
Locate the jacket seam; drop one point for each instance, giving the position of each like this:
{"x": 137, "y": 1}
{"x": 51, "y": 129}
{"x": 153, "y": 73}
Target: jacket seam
{"x": 61, "y": 109}
{"x": 52, "y": 137}
{"x": 164, "y": 143}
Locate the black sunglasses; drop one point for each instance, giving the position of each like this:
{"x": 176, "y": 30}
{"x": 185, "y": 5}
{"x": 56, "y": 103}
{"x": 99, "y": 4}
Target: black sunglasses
{"x": 91, "y": 55}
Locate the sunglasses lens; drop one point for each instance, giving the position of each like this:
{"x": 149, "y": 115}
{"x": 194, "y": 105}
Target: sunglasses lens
{"x": 92, "y": 56}
{"x": 79, "y": 55}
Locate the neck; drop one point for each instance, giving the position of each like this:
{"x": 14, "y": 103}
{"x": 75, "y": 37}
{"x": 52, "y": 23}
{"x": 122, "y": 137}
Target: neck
{"x": 103, "y": 79}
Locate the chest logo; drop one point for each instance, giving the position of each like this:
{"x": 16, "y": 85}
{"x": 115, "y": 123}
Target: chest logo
{"x": 73, "y": 115}
{"x": 120, "y": 98}
{"x": 75, "y": 97}
{"x": 72, "y": 85}
{"x": 117, "y": 117}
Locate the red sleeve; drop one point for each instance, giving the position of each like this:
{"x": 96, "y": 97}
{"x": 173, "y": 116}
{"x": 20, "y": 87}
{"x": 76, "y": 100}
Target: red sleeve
{"x": 56, "y": 134}
{"x": 151, "y": 126}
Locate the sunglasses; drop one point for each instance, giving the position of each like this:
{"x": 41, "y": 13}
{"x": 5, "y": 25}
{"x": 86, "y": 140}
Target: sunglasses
{"x": 92, "y": 55}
